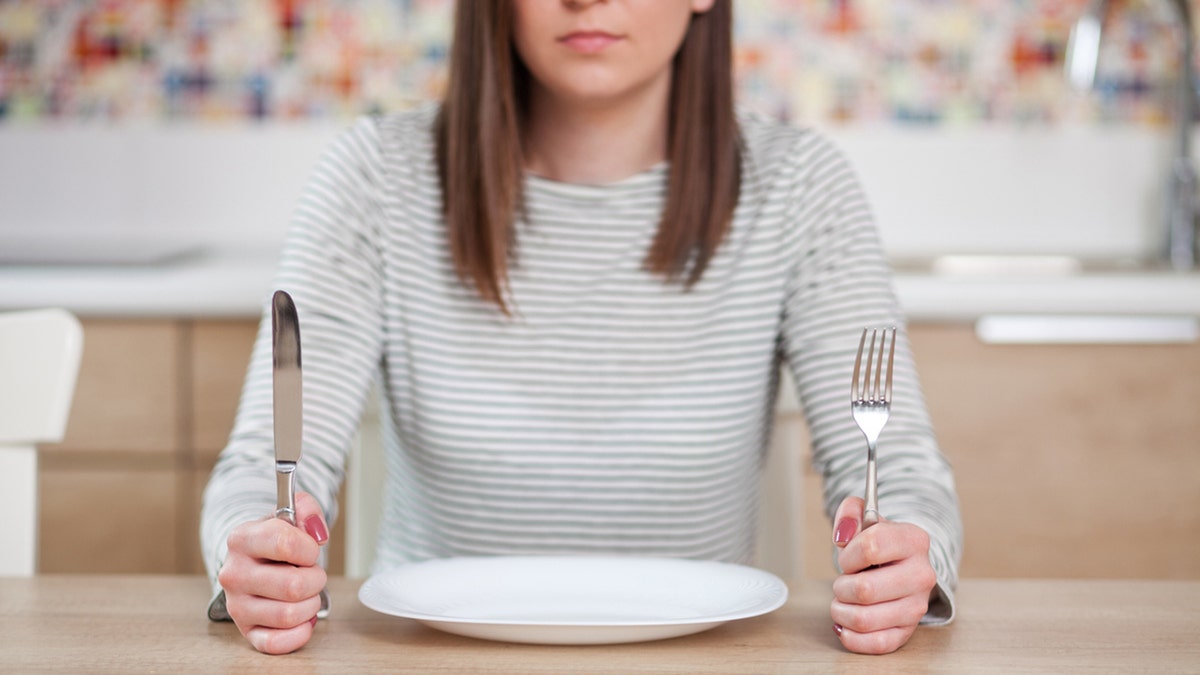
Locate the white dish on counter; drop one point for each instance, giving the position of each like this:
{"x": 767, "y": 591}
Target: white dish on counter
{"x": 573, "y": 599}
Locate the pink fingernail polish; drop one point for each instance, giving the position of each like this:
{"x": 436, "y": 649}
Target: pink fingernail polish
{"x": 845, "y": 530}
{"x": 837, "y": 629}
{"x": 315, "y": 527}
{"x": 313, "y": 621}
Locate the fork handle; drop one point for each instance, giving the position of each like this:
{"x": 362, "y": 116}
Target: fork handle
{"x": 871, "y": 507}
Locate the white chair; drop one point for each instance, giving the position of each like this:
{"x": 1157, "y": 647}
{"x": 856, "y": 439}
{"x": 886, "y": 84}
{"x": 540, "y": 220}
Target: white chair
{"x": 39, "y": 363}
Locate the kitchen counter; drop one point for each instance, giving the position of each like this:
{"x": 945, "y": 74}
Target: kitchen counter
{"x": 936, "y": 297}
{"x": 157, "y": 623}
{"x": 206, "y": 284}
{"x": 238, "y": 283}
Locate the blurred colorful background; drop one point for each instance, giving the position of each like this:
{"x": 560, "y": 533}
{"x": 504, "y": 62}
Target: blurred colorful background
{"x": 926, "y": 62}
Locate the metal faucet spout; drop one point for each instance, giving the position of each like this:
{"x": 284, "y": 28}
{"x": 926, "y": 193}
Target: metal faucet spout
{"x": 1179, "y": 212}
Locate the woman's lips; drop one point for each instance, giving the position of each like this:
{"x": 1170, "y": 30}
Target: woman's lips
{"x": 588, "y": 42}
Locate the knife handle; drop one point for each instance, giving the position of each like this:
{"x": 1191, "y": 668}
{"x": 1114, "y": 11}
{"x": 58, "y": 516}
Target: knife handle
{"x": 285, "y": 481}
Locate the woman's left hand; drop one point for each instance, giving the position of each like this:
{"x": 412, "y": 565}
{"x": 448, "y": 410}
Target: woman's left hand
{"x": 886, "y": 581}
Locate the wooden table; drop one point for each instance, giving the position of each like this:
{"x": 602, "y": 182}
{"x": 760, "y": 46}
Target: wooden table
{"x": 156, "y": 623}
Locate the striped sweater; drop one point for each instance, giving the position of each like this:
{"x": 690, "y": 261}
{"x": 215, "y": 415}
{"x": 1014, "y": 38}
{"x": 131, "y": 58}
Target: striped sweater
{"x": 614, "y": 411}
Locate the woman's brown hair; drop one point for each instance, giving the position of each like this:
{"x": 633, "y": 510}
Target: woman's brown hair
{"x": 481, "y": 162}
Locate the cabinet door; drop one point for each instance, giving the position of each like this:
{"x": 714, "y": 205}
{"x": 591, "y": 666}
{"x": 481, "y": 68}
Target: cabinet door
{"x": 1071, "y": 460}
{"x": 114, "y": 517}
{"x": 126, "y": 397}
{"x": 219, "y": 356}
{"x": 108, "y": 493}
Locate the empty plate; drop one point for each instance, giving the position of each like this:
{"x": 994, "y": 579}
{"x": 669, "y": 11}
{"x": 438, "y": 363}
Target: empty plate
{"x": 573, "y": 599}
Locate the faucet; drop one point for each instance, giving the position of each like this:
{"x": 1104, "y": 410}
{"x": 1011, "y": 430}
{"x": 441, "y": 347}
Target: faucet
{"x": 1179, "y": 213}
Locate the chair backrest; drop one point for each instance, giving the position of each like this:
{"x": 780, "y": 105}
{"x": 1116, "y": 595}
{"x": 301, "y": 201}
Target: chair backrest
{"x": 39, "y": 363}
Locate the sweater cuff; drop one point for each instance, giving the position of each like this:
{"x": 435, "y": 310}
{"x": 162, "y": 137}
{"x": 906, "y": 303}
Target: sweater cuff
{"x": 941, "y": 606}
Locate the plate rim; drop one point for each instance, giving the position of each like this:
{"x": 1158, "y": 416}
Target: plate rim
{"x": 778, "y": 600}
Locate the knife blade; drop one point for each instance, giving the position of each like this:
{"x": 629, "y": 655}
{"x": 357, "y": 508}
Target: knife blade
{"x": 288, "y": 401}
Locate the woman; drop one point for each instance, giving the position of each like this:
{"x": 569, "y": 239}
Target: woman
{"x": 576, "y": 280}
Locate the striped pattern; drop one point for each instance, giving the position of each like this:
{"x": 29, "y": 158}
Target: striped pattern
{"x": 614, "y": 412}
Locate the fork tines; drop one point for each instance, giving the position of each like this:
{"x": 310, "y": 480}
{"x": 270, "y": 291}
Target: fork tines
{"x": 873, "y": 386}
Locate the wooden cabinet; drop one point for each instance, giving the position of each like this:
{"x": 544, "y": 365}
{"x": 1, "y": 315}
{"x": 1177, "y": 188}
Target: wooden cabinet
{"x": 109, "y": 515}
{"x": 217, "y": 360}
{"x": 1071, "y": 460}
{"x": 127, "y": 396}
{"x": 108, "y": 494}
{"x": 153, "y": 407}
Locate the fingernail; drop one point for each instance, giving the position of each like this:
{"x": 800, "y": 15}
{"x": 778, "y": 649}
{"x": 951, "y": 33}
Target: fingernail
{"x": 315, "y": 527}
{"x": 845, "y": 530}
{"x": 837, "y": 629}
{"x": 313, "y": 621}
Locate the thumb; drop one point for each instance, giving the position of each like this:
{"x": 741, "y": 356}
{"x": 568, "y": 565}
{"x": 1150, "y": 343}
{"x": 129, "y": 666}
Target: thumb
{"x": 310, "y": 517}
{"x": 847, "y": 521}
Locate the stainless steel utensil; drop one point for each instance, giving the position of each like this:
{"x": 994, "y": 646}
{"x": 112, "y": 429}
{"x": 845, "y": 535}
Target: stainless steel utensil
{"x": 871, "y": 403}
{"x": 288, "y": 399}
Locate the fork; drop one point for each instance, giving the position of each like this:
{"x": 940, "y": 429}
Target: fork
{"x": 871, "y": 403}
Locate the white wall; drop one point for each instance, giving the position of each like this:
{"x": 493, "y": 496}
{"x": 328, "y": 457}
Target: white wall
{"x": 975, "y": 190}
{"x": 1080, "y": 191}
{"x": 233, "y": 186}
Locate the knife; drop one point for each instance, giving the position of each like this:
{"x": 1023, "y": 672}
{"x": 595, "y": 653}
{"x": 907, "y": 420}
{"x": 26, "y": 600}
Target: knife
{"x": 288, "y": 398}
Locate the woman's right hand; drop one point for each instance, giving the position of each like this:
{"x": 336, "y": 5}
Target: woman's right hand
{"x": 272, "y": 580}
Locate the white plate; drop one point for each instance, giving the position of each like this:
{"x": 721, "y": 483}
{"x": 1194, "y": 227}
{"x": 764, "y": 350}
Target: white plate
{"x": 573, "y": 599}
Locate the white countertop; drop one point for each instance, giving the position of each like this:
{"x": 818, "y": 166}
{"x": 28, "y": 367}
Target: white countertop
{"x": 238, "y": 284}
{"x": 223, "y": 284}
{"x": 939, "y": 298}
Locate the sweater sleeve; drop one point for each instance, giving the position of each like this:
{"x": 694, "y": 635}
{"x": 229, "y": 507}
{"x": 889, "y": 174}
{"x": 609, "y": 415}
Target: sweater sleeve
{"x": 330, "y": 263}
{"x": 840, "y": 284}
